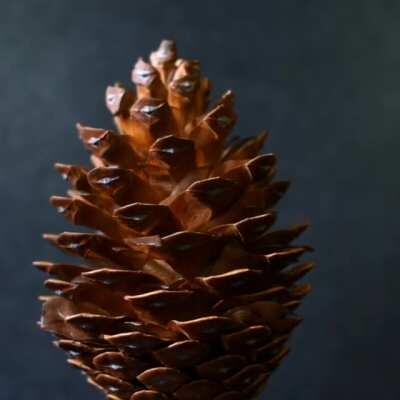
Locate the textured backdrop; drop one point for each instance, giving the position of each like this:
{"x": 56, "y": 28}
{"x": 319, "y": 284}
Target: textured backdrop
{"x": 322, "y": 76}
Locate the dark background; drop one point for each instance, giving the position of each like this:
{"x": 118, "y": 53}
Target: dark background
{"x": 323, "y": 76}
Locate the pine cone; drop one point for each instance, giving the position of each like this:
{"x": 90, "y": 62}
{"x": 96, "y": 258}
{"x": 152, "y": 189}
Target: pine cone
{"x": 185, "y": 293}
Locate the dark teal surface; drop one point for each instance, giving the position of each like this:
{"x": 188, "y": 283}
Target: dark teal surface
{"x": 323, "y": 76}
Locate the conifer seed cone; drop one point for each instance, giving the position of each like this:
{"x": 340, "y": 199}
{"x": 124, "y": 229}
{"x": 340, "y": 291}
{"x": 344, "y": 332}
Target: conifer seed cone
{"x": 185, "y": 292}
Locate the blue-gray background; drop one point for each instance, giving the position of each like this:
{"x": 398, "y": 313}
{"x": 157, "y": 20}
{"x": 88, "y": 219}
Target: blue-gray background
{"x": 323, "y": 76}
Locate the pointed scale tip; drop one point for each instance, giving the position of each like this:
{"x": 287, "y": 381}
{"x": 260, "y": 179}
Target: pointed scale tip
{"x": 228, "y": 97}
{"x": 301, "y": 228}
{"x": 165, "y": 53}
{"x": 44, "y": 298}
{"x": 167, "y": 42}
{"x": 310, "y": 265}
{"x": 63, "y": 169}
{"x": 167, "y": 45}
{"x": 51, "y": 237}
{"x": 78, "y": 126}
{"x": 118, "y": 99}
{"x": 61, "y": 203}
{"x": 143, "y": 73}
{"x": 42, "y": 265}
{"x": 263, "y": 135}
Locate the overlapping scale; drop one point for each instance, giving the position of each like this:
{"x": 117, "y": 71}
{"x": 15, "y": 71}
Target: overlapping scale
{"x": 111, "y": 148}
{"x": 148, "y": 218}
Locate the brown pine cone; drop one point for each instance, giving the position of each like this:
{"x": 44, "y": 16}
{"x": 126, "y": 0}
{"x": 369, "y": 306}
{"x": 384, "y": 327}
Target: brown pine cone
{"x": 185, "y": 292}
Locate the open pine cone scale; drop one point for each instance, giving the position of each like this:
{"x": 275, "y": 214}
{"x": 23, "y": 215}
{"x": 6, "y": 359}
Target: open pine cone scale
{"x": 185, "y": 291}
